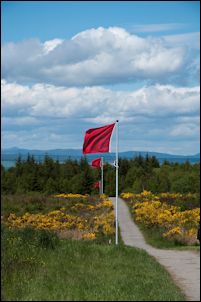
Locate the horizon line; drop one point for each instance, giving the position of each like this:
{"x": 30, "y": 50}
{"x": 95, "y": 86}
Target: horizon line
{"x": 77, "y": 149}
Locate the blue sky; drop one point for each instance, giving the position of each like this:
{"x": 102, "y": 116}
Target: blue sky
{"x": 25, "y": 19}
{"x": 72, "y": 65}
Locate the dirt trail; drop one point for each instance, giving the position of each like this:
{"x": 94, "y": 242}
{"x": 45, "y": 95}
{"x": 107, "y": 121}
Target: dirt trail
{"x": 184, "y": 266}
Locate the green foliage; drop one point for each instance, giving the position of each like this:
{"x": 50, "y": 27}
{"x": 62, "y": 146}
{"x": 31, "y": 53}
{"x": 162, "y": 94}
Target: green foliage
{"x": 72, "y": 176}
{"x": 50, "y": 186}
{"x": 109, "y": 180}
{"x": 47, "y": 239}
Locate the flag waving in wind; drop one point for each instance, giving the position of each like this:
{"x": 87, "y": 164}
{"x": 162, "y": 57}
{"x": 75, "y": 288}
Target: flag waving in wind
{"x": 97, "y": 140}
{"x": 96, "y": 163}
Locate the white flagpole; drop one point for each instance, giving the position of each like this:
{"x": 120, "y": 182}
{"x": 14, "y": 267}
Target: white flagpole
{"x": 102, "y": 175}
{"x": 116, "y": 164}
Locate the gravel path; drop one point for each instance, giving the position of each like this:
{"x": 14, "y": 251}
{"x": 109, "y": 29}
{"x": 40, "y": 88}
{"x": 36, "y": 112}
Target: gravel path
{"x": 184, "y": 266}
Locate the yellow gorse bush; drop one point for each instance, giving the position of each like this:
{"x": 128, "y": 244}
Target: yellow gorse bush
{"x": 105, "y": 223}
{"x": 169, "y": 217}
{"x": 148, "y": 195}
{"x": 55, "y": 220}
{"x": 91, "y": 220}
{"x": 127, "y": 195}
{"x": 145, "y": 195}
{"x": 151, "y": 212}
{"x": 89, "y": 236}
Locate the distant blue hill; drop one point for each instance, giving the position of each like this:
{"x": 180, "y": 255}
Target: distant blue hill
{"x": 11, "y": 154}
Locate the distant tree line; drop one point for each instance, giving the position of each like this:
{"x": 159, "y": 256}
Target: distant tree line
{"x": 77, "y": 176}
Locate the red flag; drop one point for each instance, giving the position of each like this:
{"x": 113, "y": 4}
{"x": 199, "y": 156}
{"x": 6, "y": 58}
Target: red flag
{"x": 97, "y": 185}
{"x": 97, "y": 140}
{"x": 96, "y": 163}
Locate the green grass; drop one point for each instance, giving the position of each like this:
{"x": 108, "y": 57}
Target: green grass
{"x": 36, "y": 266}
{"x": 35, "y": 202}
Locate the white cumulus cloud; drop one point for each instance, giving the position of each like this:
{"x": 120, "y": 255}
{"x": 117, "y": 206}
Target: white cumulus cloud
{"x": 99, "y": 103}
{"x": 95, "y": 57}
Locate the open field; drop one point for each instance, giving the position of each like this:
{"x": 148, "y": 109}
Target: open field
{"x": 38, "y": 267}
{"x": 41, "y": 262}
